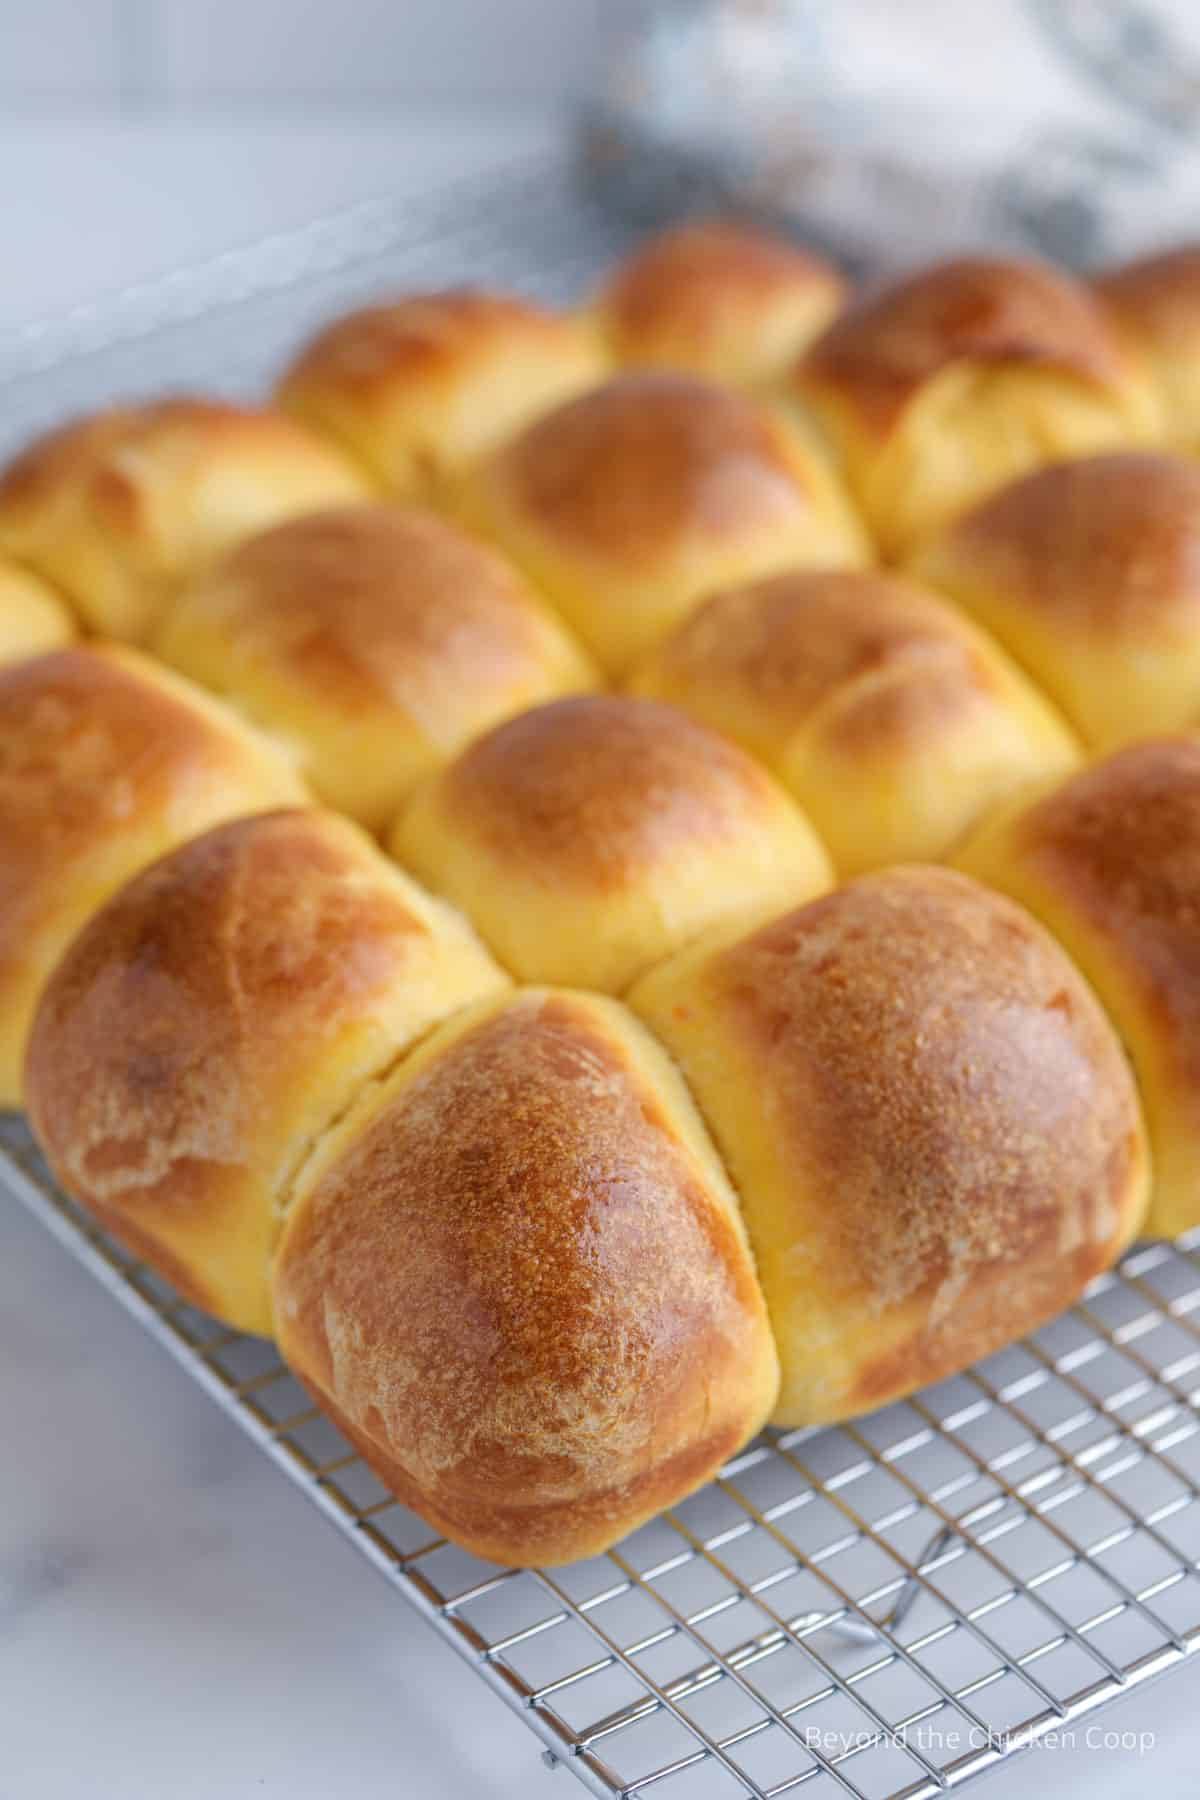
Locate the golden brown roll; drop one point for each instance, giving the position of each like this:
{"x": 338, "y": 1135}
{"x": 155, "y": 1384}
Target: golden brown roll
{"x": 213, "y": 1020}
{"x": 1156, "y": 305}
{"x": 375, "y": 640}
{"x": 626, "y": 505}
{"x": 418, "y": 388}
{"x": 941, "y": 387}
{"x": 590, "y": 837}
{"x": 893, "y": 722}
{"x": 1089, "y": 573}
{"x": 116, "y": 509}
{"x": 1110, "y": 861}
{"x": 720, "y": 298}
{"x": 32, "y": 617}
{"x": 933, "y": 1130}
{"x": 517, "y": 1279}
{"x": 106, "y": 761}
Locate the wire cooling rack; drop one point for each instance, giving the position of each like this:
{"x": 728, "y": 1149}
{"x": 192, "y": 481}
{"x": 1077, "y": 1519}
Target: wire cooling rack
{"x": 228, "y": 325}
{"x": 881, "y": 1610}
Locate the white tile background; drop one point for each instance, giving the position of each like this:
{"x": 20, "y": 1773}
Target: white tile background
{"x": 139, "y": 135}
{"x": 156, "y": 55}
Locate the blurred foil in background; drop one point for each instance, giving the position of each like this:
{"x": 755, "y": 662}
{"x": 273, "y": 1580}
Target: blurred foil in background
{"x": 893, "y": 130}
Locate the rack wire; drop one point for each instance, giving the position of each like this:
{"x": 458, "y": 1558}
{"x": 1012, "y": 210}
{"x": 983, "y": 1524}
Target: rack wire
{"x": 881, "y": 1610}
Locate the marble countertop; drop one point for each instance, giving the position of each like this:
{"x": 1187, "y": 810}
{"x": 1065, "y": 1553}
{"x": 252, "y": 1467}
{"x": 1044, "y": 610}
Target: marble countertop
{"x": 175, "y": 1620}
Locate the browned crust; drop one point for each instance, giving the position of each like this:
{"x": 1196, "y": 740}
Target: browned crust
{"x": 56, "y": 458}
{"x": 87, "y": 451}
{"x": 940, "y": 1032}
{"x": 953, "y": 1103}
{"x": 517, "y": 1291}
{"x": 985, "y": 1318}
{"x": 592, "y": 790}
{"x": 100, "y": 756}
{"x": 90, "y": 741}
{"x": 227, "y": 965}
{"x": 206, "y": 1022}
{"x": 925, "y": 700}
{"x": 380, "y": 606}
{"x": 422, "y": 337}
{"x": 881, "y": 352}
{"x": 626, "y": 471}
{"x": 1107, "y": 543}
{"x": 1157, "y": 298}
{"x": 544, "y": 1534}
{"x": 706, "y": 281}
{"x": 791, "y": 641}
{"x": 1120, "y": 843}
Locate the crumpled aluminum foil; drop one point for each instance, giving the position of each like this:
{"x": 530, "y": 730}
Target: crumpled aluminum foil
{"x": 894, "y": 130}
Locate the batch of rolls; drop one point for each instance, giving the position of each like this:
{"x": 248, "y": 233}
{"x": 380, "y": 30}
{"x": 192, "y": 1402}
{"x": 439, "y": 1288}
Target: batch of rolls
{"x": 612, "y": 877}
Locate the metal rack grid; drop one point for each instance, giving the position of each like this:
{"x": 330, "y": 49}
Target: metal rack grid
{"x": 884, "y": 1609}
{"x": 227, "y": 325}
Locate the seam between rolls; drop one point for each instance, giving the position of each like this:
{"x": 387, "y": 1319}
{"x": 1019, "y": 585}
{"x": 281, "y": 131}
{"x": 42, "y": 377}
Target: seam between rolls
{"x": 751, "y": 1248}
{"x": 25, "y": 564}
{"x": 911, "y": 567}
{"x": 721, "y": 1156}
{"x": 1041, "y": 916}
{"x": 293, "y": 751}
{"x": 285, "y": 1195}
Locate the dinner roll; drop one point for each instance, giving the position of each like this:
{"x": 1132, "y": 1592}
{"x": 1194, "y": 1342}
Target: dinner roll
{"x": 892, "y": 721}
{"x": 32, "y": 617}
{"x": 376, "y": 641}
{"x": 1156, "y": 305}
{"x": 211, "y": 1022}
{"x": 590, "y": 837}
{"x": 106, "y": 761}
{"x": 417, "y": 388}
{"x": 941, "y": 387}
{"x": 719, "y": 298}
{"x": 933, "y": 1130}
{"x": 628, "y": 504}
{"x": 517, "y": 1279}
{"x": 116, "y": 509}
{"x": 1110, "y": 861}
{"x": 1089, "y": 573}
